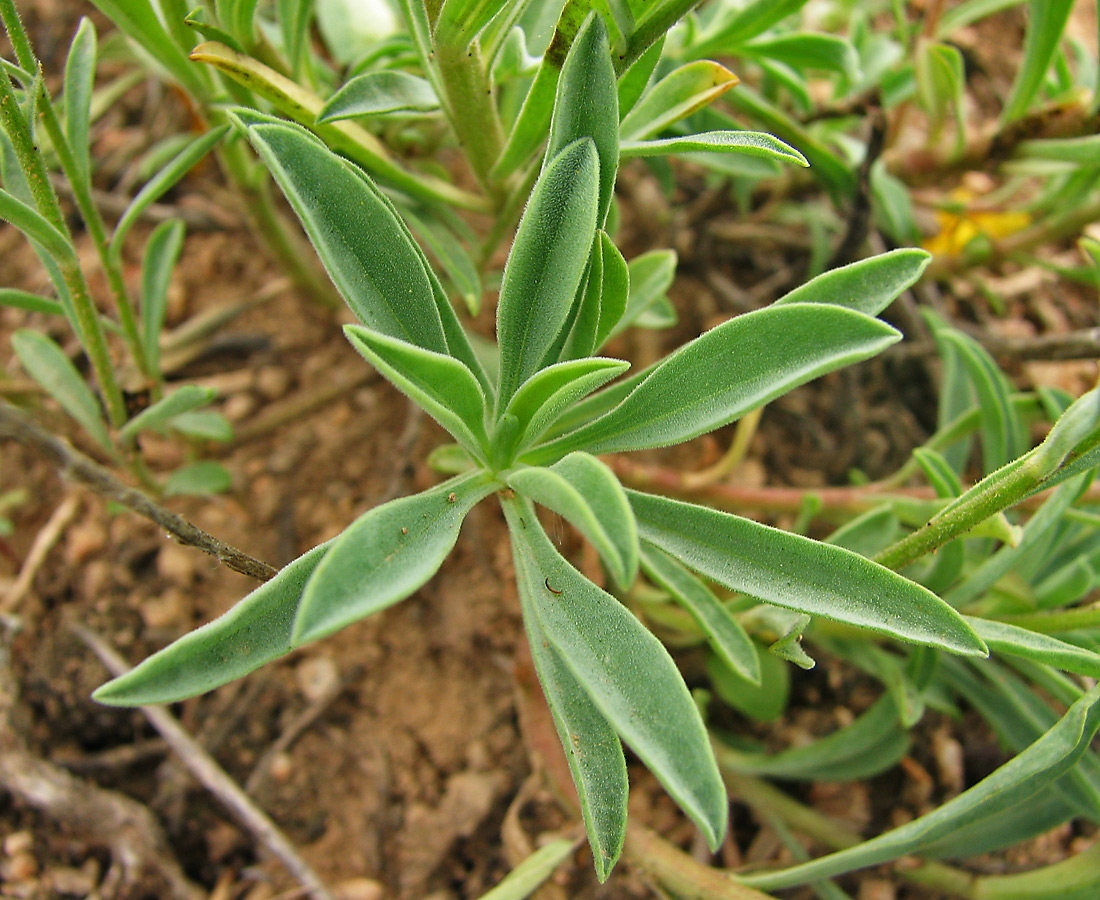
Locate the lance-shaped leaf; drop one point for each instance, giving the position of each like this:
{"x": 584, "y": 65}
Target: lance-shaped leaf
{"x": 585, "y": 492}
{"x": 441, "y": 384}
{"x": 649, "y": 276}
{"x": 587, "y": 105}
{"x": 254, "y": 632}
{"x": 47, "y": 364}
{"x": 79, "y": 82}
{"x": 1046, "y": 22}
{"x": 797, "y": 573}
{"x": 165, "y": 179}
{"x": 604, "y": 300}
{"x": 729, "y": 371}
{"x": 1017, "y": 781}
{"x": 678, "y": 94}
{"x": 157, "y": 416}
{"x": 1016, "y": 641}
{"x": 627, "y": 673}
{"x": 459, "y": 21}
{"x": 592, "y": 748}
{"x": 377, "y": 93}
{"x": 547, "y": 263}
{"x": 550, "y": 392}
{"x": 725, "y": 634}
{"x": 386, "y": 554}
{"x": 867, "y": 286}
{"x": 747, "y": 143}
{"x": 162, "y": 251}
{"x": 365, "y": 247}
{"x": 742, "y": 23}
{"x": 35, "y": 226}
{"x": 805, "y": 51}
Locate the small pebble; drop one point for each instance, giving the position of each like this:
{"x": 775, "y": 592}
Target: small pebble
{"x": 21, "y": 866}
{"x": 177, "y": 564}
{"x": 272, "y": 382}
{"x": 170, "y": 609}
{"x": 72, "y": 882}
{"x": 239, "y": 407}
{"x": 84, "y": 539}
{"x": 18, "y": 842}
{"x": 358, "y": 889}
{"x": 282, "y": 767}
{"x": 317, "y": 675}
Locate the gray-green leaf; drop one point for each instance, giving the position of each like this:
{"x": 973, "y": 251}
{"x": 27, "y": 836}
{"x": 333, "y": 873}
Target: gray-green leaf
{"x": 797, "y": 573}
{"x": 385, "y": 555}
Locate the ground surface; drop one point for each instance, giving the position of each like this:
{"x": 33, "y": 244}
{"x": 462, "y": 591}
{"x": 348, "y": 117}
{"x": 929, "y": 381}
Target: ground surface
{"x": 395, "y": 754}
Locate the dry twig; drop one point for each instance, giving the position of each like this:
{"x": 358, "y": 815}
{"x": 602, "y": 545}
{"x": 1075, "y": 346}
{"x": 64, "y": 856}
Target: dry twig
{"x": 204, "y": 767}
{"x": 143, "y": 864}
{"x": 75, "y": 465}
{"x": 43, "y": 543}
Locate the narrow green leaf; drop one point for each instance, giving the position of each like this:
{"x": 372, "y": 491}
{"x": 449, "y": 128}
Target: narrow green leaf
{"x": 1046, "y": 21}
{"x": 204, "y": 424}
{"x": 79, "y": 82}
{"x": 867, "y": 534}
{"x": 743, "y": 23}
{"x": 451, "y": 255}
{"x": 546, "y": 263}
{"x": 550, "y": 392}
{"x": 586, "y": 493}
{"x": 939, "y": 473}
{"x": 532, "y": 122}
{"x": 237, "y": 17}
{"x": 198, "y": 479}
{"x": 635, "y": 80}
{"x": 587, "y": 105}
{"x": 441, "y": 384}
{"x": 805, "y": 51}
{"x": 378, "y": 93}
{"x": 459, "y": 21}
{"x": 35, "y": 227}
{"x": 680, "y": 93}
{"x": 47, "y": 364}
{"x": 385, "y": 555}
{"x": 867, "y": 286}
{"x": 1015, "y": 641}
{"x": 725, "y": 634}
{"x": 729, "y": 371}
{"x": 368, "y": 251}
{"x": 1080, "y": 151}
{"x": 140, "y": 22}
{"x": 294, "y": 18}
{"x": 18, "y": 299}
{"x": 525, "y": 878}
{"x": 748, "y": 143}
{"x": 592, "y": 749}
{"x": 764, "y": 702}
{"x": 1016, "y": 782}
{"x": 164, "y": 181}
{"x": 156, "y": 417}
{"x": 254, "y": 632}
{"x": 628, "y": 675}
{"x": 649, "y": 276}
{"x": 614, "y": 291}
{"x": 871, "y": 744}
{"x": 162, "y": 252}
{"x": 797, "y": 573}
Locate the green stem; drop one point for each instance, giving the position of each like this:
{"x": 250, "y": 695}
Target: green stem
{"x": 89, "y": 212}
{"x": 773, "y": 802}
{"x": 471, "y": 110}
{"x": 34, "y": 171}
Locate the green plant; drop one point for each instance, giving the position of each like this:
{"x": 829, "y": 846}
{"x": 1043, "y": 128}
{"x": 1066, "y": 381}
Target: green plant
{"x": 531, "y": 414}
{"x": 564, "y": 291}
{"x": 36, "y": 129}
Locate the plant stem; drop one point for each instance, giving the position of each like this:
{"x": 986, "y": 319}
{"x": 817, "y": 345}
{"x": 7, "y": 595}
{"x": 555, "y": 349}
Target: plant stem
{"x": 678, "y": 872}
{"x": 468, "y": 101}
{"x": 89, "y": 212}
{"x": 773, "y": 802}
{"x": 34, "y": 171}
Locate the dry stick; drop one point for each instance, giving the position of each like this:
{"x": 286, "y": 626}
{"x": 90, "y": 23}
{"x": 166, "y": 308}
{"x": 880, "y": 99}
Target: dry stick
{"x": 142, "y": 859}
{"x": 75, "y": 465}
{"x": 1081, "y": 344}
{"x": 43, "y": 543}
{"x": 203, "y": 766}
